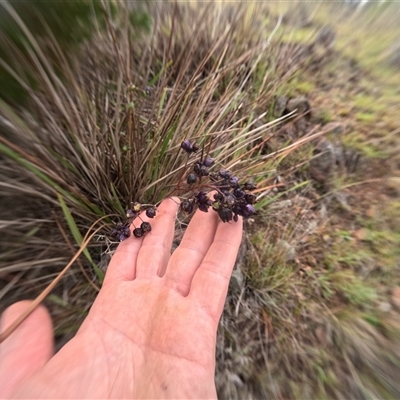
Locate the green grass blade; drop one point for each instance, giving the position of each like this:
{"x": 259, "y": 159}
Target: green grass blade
{"x": 116, "y": 201}
{"x": 77, "y": 235}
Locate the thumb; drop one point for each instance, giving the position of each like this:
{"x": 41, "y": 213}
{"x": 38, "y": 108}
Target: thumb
{"x": 27, "y": 349}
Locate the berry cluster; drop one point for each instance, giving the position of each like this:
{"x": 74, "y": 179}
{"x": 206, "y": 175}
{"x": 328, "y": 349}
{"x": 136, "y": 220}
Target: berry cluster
{"x": 122, "y": 229}
{"x": 231, "y": 200}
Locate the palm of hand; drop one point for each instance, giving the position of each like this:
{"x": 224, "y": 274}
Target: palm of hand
{"x": 148, "y": 336}
{"x": 170, "y": 333}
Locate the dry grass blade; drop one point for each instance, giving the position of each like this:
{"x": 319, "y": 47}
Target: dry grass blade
{"x": 88, "y": 237}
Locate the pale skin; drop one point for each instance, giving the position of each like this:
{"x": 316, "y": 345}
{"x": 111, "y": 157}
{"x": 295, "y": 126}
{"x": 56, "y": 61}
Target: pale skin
{"x": 151, "y": 332}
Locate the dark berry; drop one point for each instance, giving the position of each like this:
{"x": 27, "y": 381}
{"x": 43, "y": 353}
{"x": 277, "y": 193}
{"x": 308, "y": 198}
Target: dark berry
{"x": 218, "y": 196}
{"x": 202, "y": 198}
{"x": 250, "y": 198}
{"x": 151, "y": 212}
{"x": 145, "y": 227}
{"x": 249, "y": 185}
{"x": 130, "y": 214}
{"x": 187, "y": 206}
{"x": 122, "y": 237}
{"x": 247, "y": 211}
{"x": 223, "y": 173}
{"x": 191, "y": 178}
{"x": 233, "y": 182}
{"x": 204, "y": 171}
{"x": 225, "y": 214}
{"x": 235, "y": 218}
{"x": 138, "y": 232}
{"x": 203, "y": 207}
{"x": 187, "y": 146}
{"x": 208, "y": 162}
{"x": 239, "y": 193}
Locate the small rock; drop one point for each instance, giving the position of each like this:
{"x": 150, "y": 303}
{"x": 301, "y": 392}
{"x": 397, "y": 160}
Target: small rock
{"x": 288, "y": 250}
{"x": 299, "y": 104}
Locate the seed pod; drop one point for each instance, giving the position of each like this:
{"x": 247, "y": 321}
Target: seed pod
{"x": 208, "y": 162}
{"x": 216, "y": 205}
{"x": 191, "y": 178}
{"x": 197, "y": 168}
{"x": 145, "y": 227}
{"x": 225, "y": 214}
{"x": 151, "y": 212}
{"x": 229, "y": 200}
{"x": 136, "y": 207}
{"x": 138, "y": 232}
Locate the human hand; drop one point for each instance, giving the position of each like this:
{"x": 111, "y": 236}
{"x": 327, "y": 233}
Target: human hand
{"x": 151, "y": 332}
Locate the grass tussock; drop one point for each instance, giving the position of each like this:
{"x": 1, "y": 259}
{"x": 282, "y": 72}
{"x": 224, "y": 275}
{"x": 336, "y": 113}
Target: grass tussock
{"x": 309, "y": 313}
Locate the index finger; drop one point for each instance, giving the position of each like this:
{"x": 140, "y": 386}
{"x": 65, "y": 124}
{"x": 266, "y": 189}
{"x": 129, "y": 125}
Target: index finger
{"x": 122, "y": 266}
